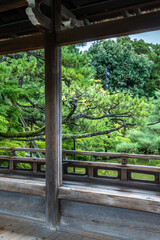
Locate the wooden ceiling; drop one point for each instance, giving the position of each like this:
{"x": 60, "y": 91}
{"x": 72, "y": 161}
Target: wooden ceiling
{"x": 94, "y": 10}
{"x": 81, "y": 16}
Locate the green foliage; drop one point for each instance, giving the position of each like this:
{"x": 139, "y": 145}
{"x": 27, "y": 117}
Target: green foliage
{"x": 152, "y": 51}
{"x": 40, "y": 144}
{"x": 15, "y": 144}
{"x": 128, "y": 70}
{"x": 126, "y": 147}
{"x": 99, "y": 120}
{"x": 88, "y": 108}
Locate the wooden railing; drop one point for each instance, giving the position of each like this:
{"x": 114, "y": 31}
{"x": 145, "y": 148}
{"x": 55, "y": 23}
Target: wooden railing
{"x": 30, "y": 165}
{"x": 78, "y": 169}
{"x": 120, "y": 171}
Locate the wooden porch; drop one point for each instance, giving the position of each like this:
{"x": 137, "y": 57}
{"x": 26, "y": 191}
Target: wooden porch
{"x": 56, "y": 193}
{"x": 89, "y": 202}
{"x": 9, "y": 230}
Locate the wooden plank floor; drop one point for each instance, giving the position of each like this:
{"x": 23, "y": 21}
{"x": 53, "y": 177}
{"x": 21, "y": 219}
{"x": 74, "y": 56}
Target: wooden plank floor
{"x": 10, "y": 230}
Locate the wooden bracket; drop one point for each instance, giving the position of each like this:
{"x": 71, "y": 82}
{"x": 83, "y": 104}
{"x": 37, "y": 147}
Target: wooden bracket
{"x": 35, "y": 15}
{"x": 38, "y": 19}
{"x": 70, "y": 19}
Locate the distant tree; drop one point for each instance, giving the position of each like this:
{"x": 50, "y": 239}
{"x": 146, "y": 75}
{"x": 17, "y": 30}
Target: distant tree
{"x": 153, "y": 53}
{"x": 128, "y": 70}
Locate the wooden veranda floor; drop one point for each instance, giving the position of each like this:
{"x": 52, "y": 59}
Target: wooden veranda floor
{"x": 10, "y": 230}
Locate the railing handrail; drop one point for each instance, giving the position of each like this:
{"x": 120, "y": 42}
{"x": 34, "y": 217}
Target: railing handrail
{"x": 110, "y": 154}
{"x": 111, "y": 165}
{"x": 91, "y": 169}
{"x": 22, "y": 149}
{"x": 88, "y": 153}
{"x": 23, "y": 159}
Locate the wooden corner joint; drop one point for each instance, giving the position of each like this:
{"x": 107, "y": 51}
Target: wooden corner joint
{"x": 36, "y": 16}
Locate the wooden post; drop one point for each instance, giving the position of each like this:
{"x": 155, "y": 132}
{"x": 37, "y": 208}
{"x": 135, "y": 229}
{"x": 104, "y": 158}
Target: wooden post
{"x": 124, "y": 171}
{"x": 35, "y": 167}
{"x": 90, "y": 171}
{"x": 74, "y": 148}
{"x": 53, "y": 117}
{"x": 11, "y": 165}
{"x": 159, "y": 178}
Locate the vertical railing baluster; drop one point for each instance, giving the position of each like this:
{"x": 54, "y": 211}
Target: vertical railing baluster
{"x": 11, "y": 165}
{"x": 31, "y": 154}
{"x": 64, "y": 165}
{"x": 35, "y": 167}
{"x": 159, "y": 178}
{"x": 123, "y": 170}
{"x": 90, "y": 171}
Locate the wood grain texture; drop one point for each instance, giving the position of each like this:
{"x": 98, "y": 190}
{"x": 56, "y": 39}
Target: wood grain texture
{"x": 12, "y": 4}
{"x": 111, "y": 221}
{"x": 23, "y": 159}
{"x": 8, "y": 217}
{"x": 25, "y": 186}
{"x": 89, "y": 153}
{"x": 12, "y": 230}
{"x": 113, "y": 165}
{"x": 140, "y": 200}
{"x": 112, "y": 182}
{"x": 22, "y": 149}
{"x": 142, "y": 23}
{"x": 110, "y": 154}
{"x": 120, "y": 9}
{"x": 85, "y": 233}
{"x": 53, "y": 117}
{"x": 21, "y": 44}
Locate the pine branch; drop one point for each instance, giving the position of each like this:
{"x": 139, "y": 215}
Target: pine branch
{"x": 82, "y": 115}
{"x": 29, "y": 139}
{"x": 22, "y": 134}
{"x": 86, "y": 135}
{"x": 154, "y": 123}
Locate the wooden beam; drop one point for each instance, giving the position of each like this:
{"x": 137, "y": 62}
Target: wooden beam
{"x": 137, "y": 24}
{"x": 121, "y": 9}
{"x": 139, "y": 200}
{"x": 116, "y": 223}
{"x": 25, "y": 185}
{"x": 21, "y": 44}
{"x": 102, "y": 6}
{"x": 110, "y": 154}
{"x": 53, "y": 118}
{"x": 12, "y": 4}
{"x": 142, "y": 23}
{"x": 16, "y": 27}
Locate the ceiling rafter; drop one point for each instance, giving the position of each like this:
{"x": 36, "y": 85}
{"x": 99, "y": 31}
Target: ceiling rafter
{"x": 105, "y": 13}
{"x": 100, "y": 7}
{"x": 12, "y": 4}
{"x": 35, "y": 14}
{"x": 138, "y": 19}
{"x": 15, "y": 27}
{"x": 126, "y": 26}
{"x": 120, "y": 27}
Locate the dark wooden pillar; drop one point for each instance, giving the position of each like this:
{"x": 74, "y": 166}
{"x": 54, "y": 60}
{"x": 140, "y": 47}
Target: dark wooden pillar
{"x": 53, "y": 117}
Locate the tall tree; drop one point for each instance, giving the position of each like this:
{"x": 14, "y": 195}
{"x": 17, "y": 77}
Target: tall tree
{"x": 128, "y": 71}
